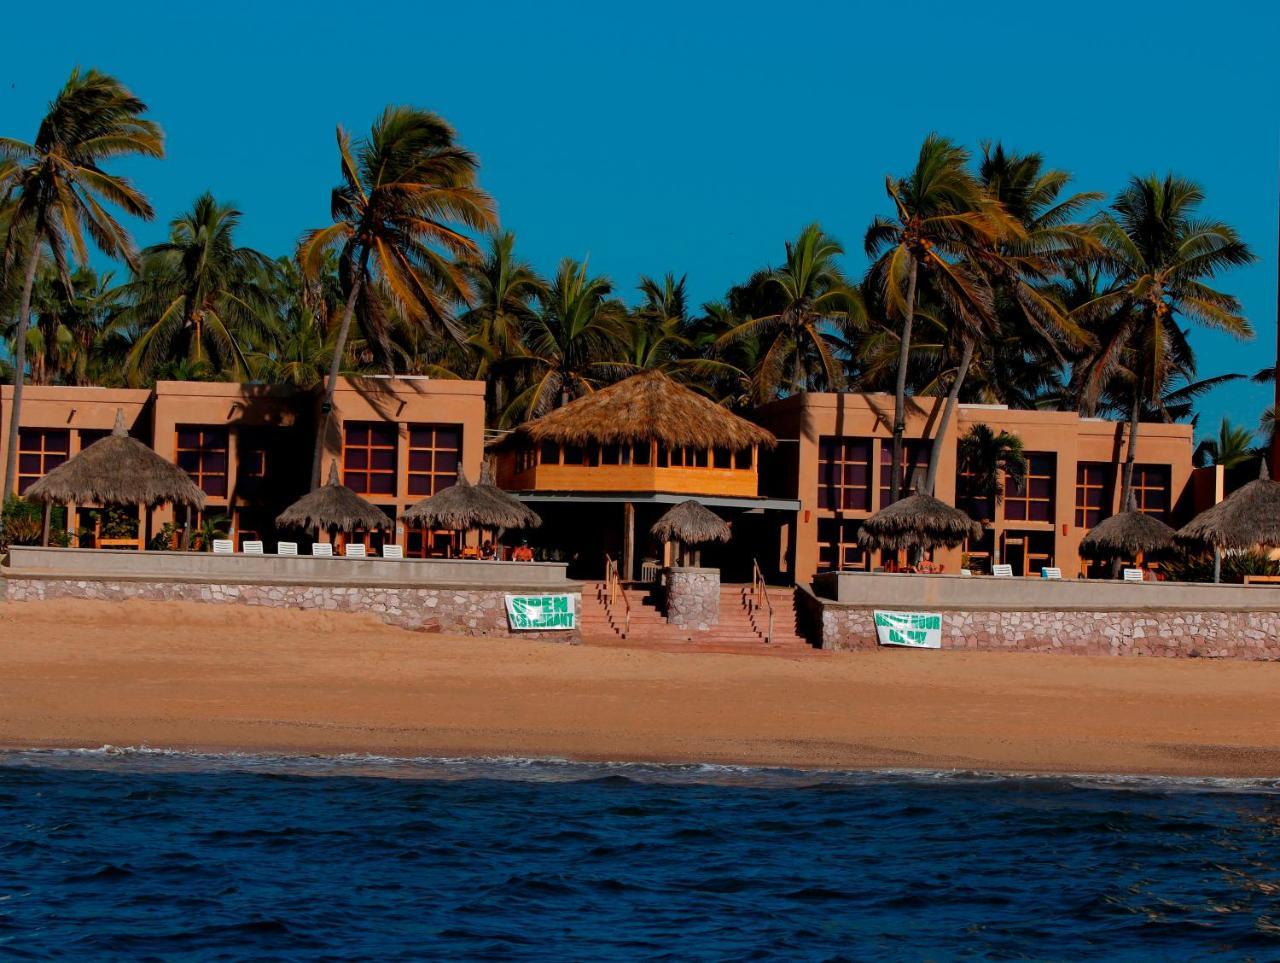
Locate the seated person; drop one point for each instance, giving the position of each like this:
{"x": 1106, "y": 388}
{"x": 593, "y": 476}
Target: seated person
{"x": 522, "y": 554}
{"x": 486, "y": 550}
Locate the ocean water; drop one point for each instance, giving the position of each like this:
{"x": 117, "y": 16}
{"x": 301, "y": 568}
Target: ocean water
{"x": 137, "y": 855}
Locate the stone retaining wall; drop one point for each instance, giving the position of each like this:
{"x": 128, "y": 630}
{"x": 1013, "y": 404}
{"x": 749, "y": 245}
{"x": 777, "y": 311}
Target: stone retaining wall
{"x": 445, "y": 609}
{"x": 693, "y": 597}
{"x": 1246, "y": 634}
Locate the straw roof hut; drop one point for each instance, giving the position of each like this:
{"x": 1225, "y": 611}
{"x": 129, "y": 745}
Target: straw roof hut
{"x": 332, "y": 507}
{"x": 645, "y": 407}
{"x": 465, "y": 506}
{"x": 917, "y": 521}
{"x": 117, "y": 470}
{"x": 691, "y": 523}
{"x": 1130, "y": 534}
{"x": 1247, "y": 518}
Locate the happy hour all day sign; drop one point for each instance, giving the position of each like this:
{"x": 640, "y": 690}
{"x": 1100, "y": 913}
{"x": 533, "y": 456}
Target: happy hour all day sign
{"x": 540, "y": 612}
{"x": 918, "y": 630}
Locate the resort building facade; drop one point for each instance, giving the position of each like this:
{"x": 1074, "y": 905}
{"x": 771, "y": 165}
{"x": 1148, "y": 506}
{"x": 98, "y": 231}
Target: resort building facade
{"x": 249, "y": 448}
{"x": 795, "y": 479}
{"x": 834, "y": 455}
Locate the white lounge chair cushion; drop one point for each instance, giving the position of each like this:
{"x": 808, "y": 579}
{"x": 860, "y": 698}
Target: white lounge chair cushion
{"x": 252, "y": 548}
{"x": 286, "y": 548}
{"x": 1050, "y": 572}
{"x": 223, "y": 546}
{"x": 392, "y": 551}
{"x": 322, "y": 550}
{"x": 1133, "y": 575}
{"x": 1002, "y": 571}
{"x": 355, "y": 550}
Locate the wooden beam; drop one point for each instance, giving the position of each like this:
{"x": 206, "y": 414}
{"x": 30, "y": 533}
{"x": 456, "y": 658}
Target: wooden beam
{"x": 628, "y": 541}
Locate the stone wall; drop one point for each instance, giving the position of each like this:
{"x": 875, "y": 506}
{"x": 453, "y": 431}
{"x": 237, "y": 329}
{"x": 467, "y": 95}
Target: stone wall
{"x": 445, "y": 609}
{"x": 693, "y": 597}
{"x": 1240, "y": 634}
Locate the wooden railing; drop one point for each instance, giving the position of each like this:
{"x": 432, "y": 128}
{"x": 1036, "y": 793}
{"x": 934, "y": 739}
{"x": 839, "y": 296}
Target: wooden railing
{"x": 759, "y": 597}
{"x": 614, "y": 592}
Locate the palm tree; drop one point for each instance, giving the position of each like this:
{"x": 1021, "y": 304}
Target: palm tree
{"x": 940, "y": 210}
{"x": 573, "y": 342}
{"x": 1162, "y": 255}
{"x": 988, "y": 458}
{"x": 806, "y": 302}
{"x": 404, "y": 192}
{"x": 198, "y": 296}
{"x": 504, "y": 289}
{"x": 70, "y": 341}
{"x": 58, "y": 189}
{"x": 1233, "y": 447}
{"x": 1017, "y": 264}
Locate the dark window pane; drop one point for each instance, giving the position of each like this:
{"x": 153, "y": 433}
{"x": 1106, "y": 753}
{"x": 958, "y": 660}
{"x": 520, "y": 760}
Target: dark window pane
{"x": 419, "y": 460}
{"x": 723, "y": 458}
{"x": 743, "y": 458}
{"x": 550, "y": 453}
{"x": 382, "y": 458}
{"x": 215, "y": 462}
{"x": 447, "y": 462}
{"x": 382, "y": 484}
{"x": 640, "y": 453}
{"x": 420, "y": 485}
{"x": 355, "y": 458}
{"x": 29, "y": 464}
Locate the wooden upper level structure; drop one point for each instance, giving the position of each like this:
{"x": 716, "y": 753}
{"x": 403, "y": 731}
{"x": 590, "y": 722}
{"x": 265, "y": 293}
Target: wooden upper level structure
{"x": 646, "y": 434}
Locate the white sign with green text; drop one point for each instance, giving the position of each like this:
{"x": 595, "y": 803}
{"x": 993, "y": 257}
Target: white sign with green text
{"x": 544, "y": 613}
{"x": 918, "y": 630}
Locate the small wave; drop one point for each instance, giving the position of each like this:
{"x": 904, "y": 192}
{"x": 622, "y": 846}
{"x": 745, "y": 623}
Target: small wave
{"x": 556, "y": 769}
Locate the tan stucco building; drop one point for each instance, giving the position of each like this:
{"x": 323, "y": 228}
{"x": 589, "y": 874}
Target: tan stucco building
{"x": 249, "y": 447}
{"x": 835, "y": 453}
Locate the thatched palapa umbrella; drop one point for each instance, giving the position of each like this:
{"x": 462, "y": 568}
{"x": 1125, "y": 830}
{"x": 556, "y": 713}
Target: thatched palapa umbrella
{"x": 463, "y": 506}
{"x": 1247, "y": 518}
{"x": 918, "y": 521}
{"x": 332, "y": 508}
{"x": 691, "y": 523}
{"x": 1131, "y": 534}
{"x": 116, "y": 470}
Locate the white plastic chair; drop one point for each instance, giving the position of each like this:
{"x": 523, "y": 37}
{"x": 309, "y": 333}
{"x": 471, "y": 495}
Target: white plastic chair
{"x": 287, "y": 548}
{"x": 252, "y": 548}
{"x": 1133, "y": 575}
{"x": 967, "y": 573}
{"x": 1050, "y": 572}
{"x": 395, "y": 552}
{"x": 223, "y": 546}
{"x": 322, "y": 550}
{"x": 1002, "y": 571}
{"x": 354, "y": 550}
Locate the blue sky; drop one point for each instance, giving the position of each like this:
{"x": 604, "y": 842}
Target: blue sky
{"x": 691, "y": 137}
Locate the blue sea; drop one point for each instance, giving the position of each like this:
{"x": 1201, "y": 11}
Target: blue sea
{"x": 141, "y": 855}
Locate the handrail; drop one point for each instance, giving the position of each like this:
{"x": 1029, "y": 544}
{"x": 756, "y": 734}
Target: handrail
{"x": 613, "y": 590}
{"x": 759, "y": 595}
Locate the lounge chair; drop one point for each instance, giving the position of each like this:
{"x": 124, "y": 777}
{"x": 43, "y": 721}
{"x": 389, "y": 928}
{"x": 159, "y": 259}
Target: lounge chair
{"x": 1134, "y": 575}
{"x": 395, "y": 552}
{"x": 251, "y": 547}
{"x": 322, "y": 550}
{"x": 223, "y": 546}
{"x": 1002, "y": 571}
{"x": 287, "y": 548}
{"x": 1051, "y": 573}
{"x": 354, "y": 550}
{"x": 967, "y": 573}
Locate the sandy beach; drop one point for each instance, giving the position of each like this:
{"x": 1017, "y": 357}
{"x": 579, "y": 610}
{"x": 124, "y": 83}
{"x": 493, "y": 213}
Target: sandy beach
{"x": 210, "y": 678}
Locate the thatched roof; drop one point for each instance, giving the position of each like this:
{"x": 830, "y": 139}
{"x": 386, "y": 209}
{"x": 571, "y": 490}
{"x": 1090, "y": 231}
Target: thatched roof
{"x": 118, "y": 470}
{"x": 691, "y": 523}
{"x": 463, "y": 505}
{"x": 1126, "y": 535}
{"x": 917, "y": 521}
{"x": 647, "y": 406}
{"x": 1247, "y": 518}
{"x": 333, "y": 506}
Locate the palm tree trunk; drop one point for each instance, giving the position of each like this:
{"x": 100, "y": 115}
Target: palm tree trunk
{"x": 19, "y": 364}
{"x": 953, "y": 396}
{"x": 900, "y": 388}
{"x": 331, "y": 386}
{"x": 1131, "y": 455}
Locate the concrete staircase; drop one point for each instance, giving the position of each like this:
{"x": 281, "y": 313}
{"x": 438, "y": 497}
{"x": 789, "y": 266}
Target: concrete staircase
{"x": 740, "y": 629}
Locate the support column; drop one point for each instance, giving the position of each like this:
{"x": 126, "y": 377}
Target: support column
{"x": 628, "y": 541}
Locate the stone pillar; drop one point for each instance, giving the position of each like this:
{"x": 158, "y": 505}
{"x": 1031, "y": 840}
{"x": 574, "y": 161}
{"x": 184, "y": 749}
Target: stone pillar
{"x": 693, "y": 597}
